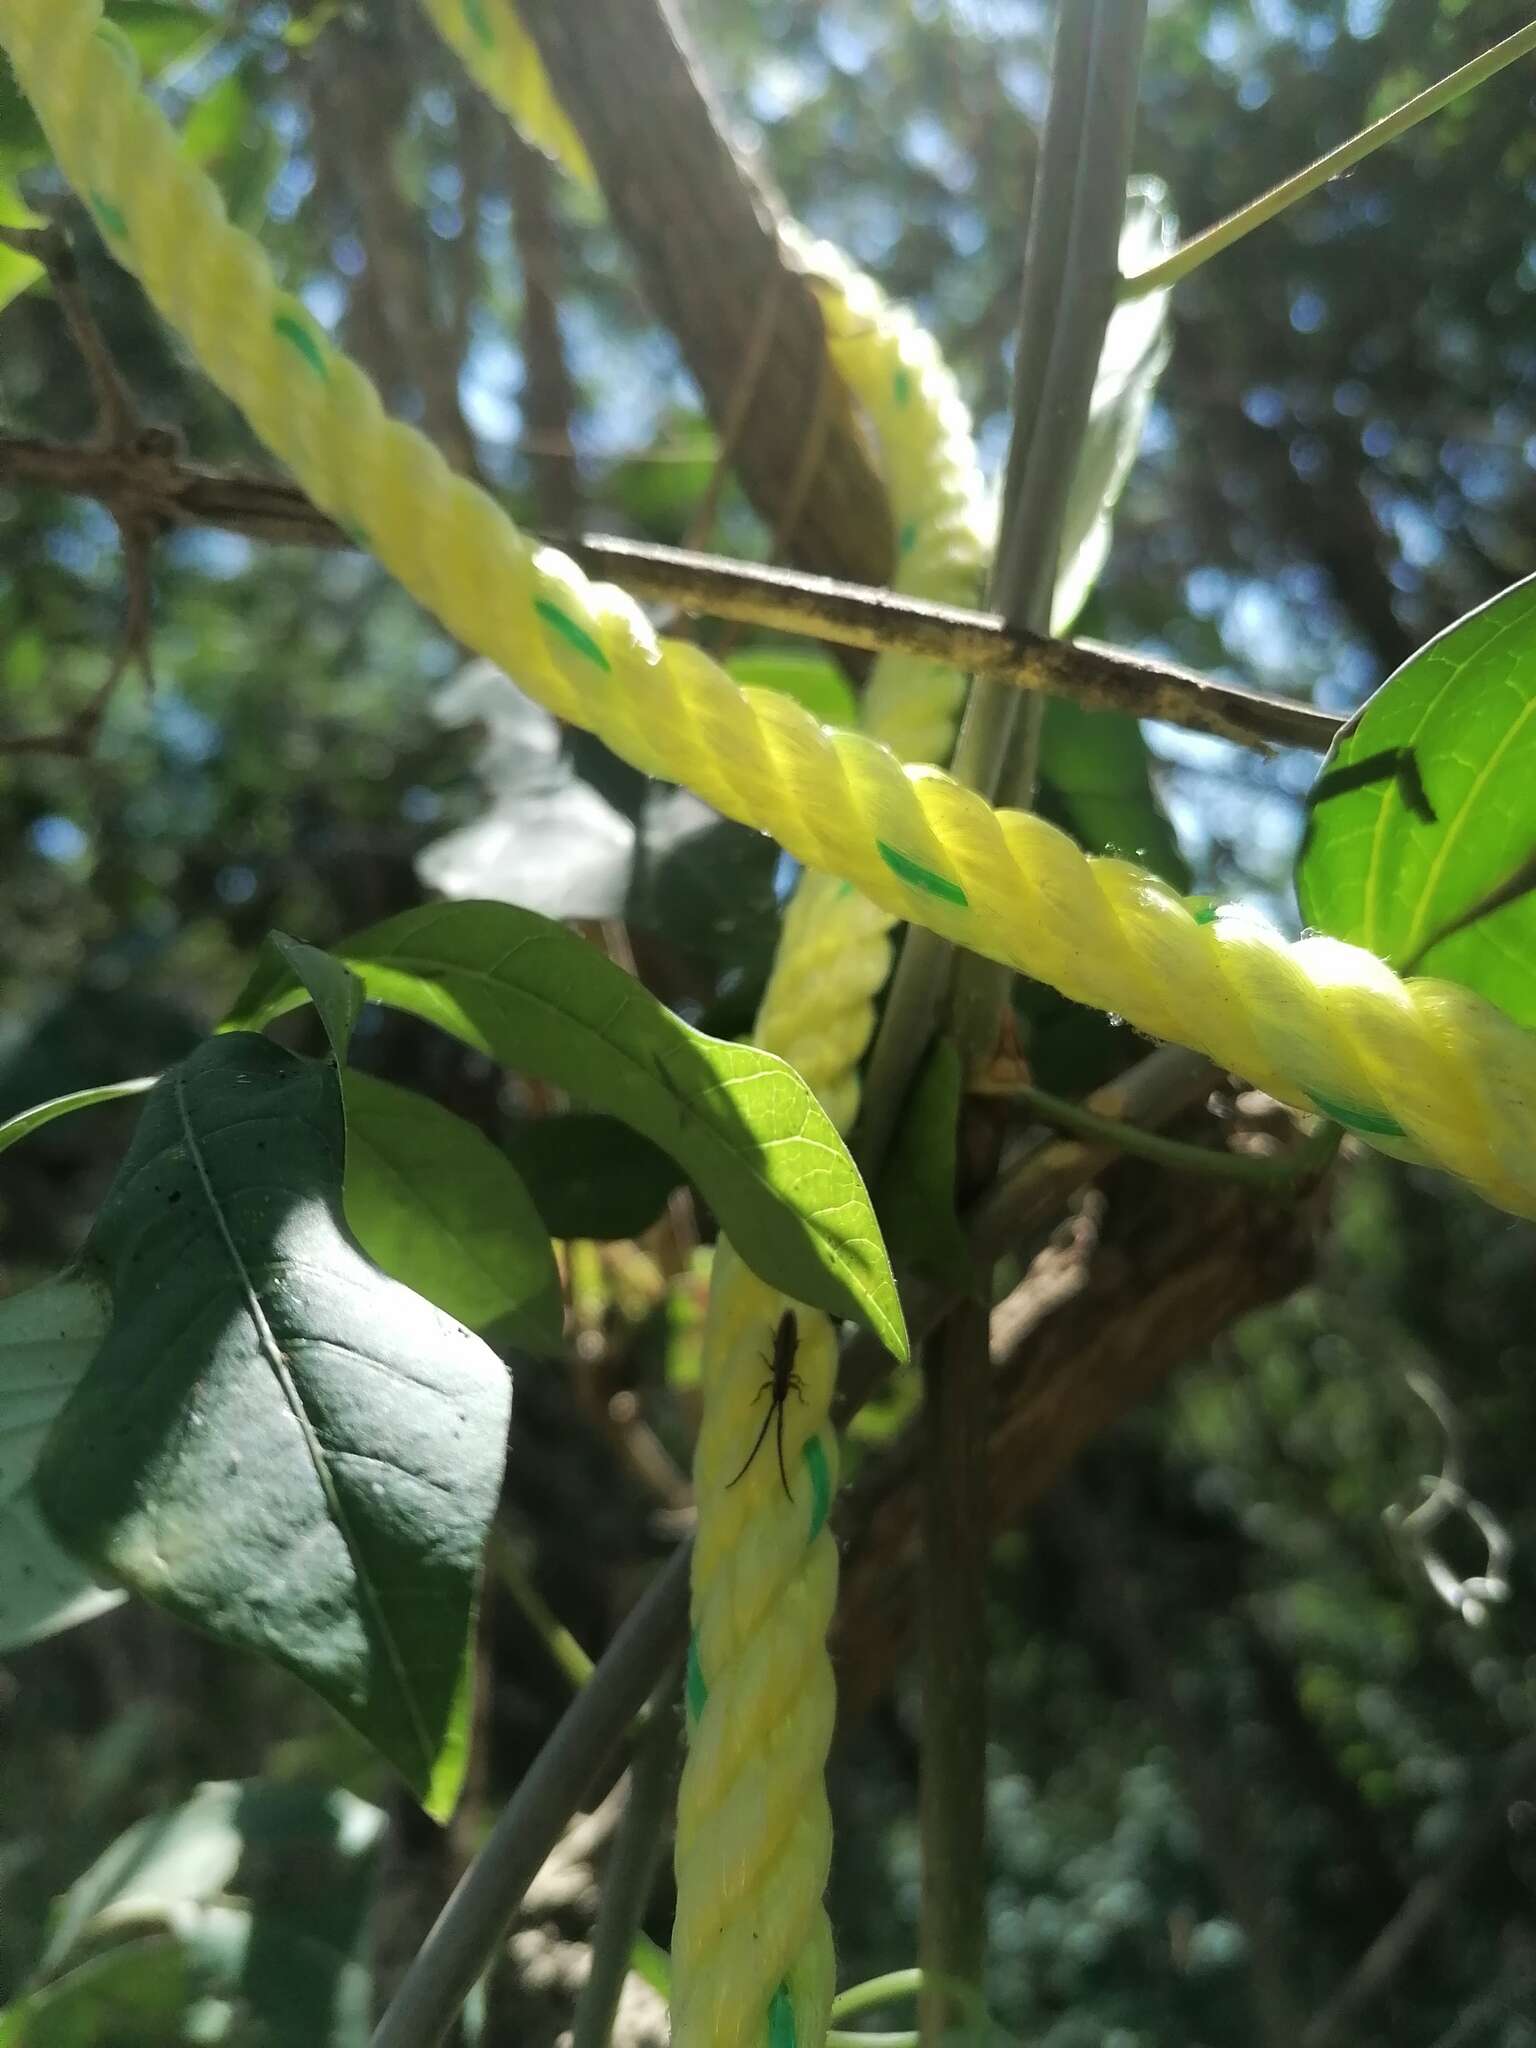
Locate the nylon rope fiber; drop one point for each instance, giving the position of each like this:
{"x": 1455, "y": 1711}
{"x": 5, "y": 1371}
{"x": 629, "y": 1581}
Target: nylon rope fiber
{"x": 1421, "y": 1069}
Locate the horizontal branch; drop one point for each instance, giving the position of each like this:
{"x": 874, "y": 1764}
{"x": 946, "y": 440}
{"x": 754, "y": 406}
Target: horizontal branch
{"x": 161, "y": 485}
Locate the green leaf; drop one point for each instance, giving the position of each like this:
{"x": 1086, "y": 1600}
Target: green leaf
{"x": 916, "y": 1196}
{"x": 251, "y": 1892}
{"x": 592, "y": 1176}
{"x": 705, "y": 884}
{"x": 814, "y": 680}
{"x": 333, "y": 988}
{"x": 1095, "y": 768}
{"x": 15, "y": 1128}
{"x": 275, "y": 1441}
{"x": 1136, "y": 345}
{"x": 743, "y": 1125}
{"x": 661, "y": 489}
{"x": 159, "y": 31}
{"x": 16, "y": 271}
{"x": 48, "y": 1337}
{"x": 132, "y": 1995}
{"x": 1095, "y": 773}
{"x": 439, "y": 1207}
{"x": 1421, "y": 834}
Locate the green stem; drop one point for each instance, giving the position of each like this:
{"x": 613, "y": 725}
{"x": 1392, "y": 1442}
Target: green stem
{"x": 1299, "y": 1164}
{"x": 1269, "y": 205}
{"x": 448, "y": 1963}
{"x": 632, "y": 1867}
{"x": 546, "y": 1625}
{"x": 886, "y": 1990}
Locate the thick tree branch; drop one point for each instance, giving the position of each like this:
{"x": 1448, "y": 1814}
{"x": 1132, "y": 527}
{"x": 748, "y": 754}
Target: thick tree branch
{"x": 549, "y": 395}
{"x": 158, "y": 483}
{"x": 701, "y": 232}
{"x": 1105, "y": 1314}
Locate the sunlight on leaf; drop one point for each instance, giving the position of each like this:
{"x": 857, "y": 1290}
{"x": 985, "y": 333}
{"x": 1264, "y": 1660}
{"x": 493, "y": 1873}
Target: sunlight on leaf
{"x": 275, "y": 1441}
{"x": 22, "y": 1125}
{"x": 1421, "y": 837}
{"x": 742, "y": 1124}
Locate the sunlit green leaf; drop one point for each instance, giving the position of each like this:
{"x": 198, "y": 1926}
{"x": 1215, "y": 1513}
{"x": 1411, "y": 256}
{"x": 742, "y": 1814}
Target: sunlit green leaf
{"x": 16, "y": 271}
{"x": 15, "y": 1128}
{"x": 1095, "y": 766}
{"x": 812, "y": 679}
{"x": 742, "y": 1125}
{"x": 1421, "y": 838}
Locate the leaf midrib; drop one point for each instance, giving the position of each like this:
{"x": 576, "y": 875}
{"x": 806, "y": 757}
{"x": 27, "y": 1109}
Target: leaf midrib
{"x": 425, "y": 968}
{"x": 273, "y": 1353}
{"x": 1453, "y": 828}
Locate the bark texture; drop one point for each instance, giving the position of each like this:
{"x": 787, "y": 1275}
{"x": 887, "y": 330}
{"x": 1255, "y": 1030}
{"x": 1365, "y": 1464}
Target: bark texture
{"x": 699, "y": 227}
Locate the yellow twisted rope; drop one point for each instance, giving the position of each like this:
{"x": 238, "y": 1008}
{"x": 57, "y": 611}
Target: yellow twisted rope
{"x": 1422, "y": 1069}
{"x": 498, "y": 53}
{"x": 751, "y": 1945}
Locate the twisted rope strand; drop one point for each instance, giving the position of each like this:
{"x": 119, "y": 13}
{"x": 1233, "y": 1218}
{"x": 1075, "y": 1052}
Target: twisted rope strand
{"x": 751, "y": 1938}
{"x": 1310, "y": 1022}
{"x": 752, "y": 1946}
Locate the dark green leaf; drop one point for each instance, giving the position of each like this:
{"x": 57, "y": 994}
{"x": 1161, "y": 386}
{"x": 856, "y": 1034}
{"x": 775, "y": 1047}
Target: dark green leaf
{"x": 275, "y": 1441}
{"x": 1095, "y": 774}
{"x": 740, "y": 1123}
{"x": 592, "y": 1176}
{"x": 1421, "y": 839}
{"x": 48, "y": 1337}
{"x": 705, "y": 884}
{"x": 916, "y": 1197}
{"x": 436, "y": 1205}
{"x": 333, "y": 988}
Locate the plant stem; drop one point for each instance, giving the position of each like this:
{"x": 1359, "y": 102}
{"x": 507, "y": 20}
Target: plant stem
{"x": 1282, "y": 1172}
{"x": 631, "y": 1870}
{"x": 450, "y": 1960}
{"x": 1070, "y": 280}
{"x": 562, "y": 1646}
{"x": 1270, "y": 205}
{"x": 956, "y": 1526}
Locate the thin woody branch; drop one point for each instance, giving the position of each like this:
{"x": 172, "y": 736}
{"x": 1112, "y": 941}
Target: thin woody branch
{"x": 157, "y": 483}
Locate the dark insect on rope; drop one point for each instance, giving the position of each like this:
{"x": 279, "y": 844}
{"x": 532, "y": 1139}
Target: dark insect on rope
{"x": 782, "y": 1381}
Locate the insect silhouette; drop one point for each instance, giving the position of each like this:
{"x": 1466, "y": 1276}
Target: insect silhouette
{"x": 782, "y": 1381}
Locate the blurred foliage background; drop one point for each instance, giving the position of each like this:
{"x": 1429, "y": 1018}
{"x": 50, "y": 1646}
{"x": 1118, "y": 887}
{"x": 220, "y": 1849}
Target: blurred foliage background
{"x": 1237, "y": 1730}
